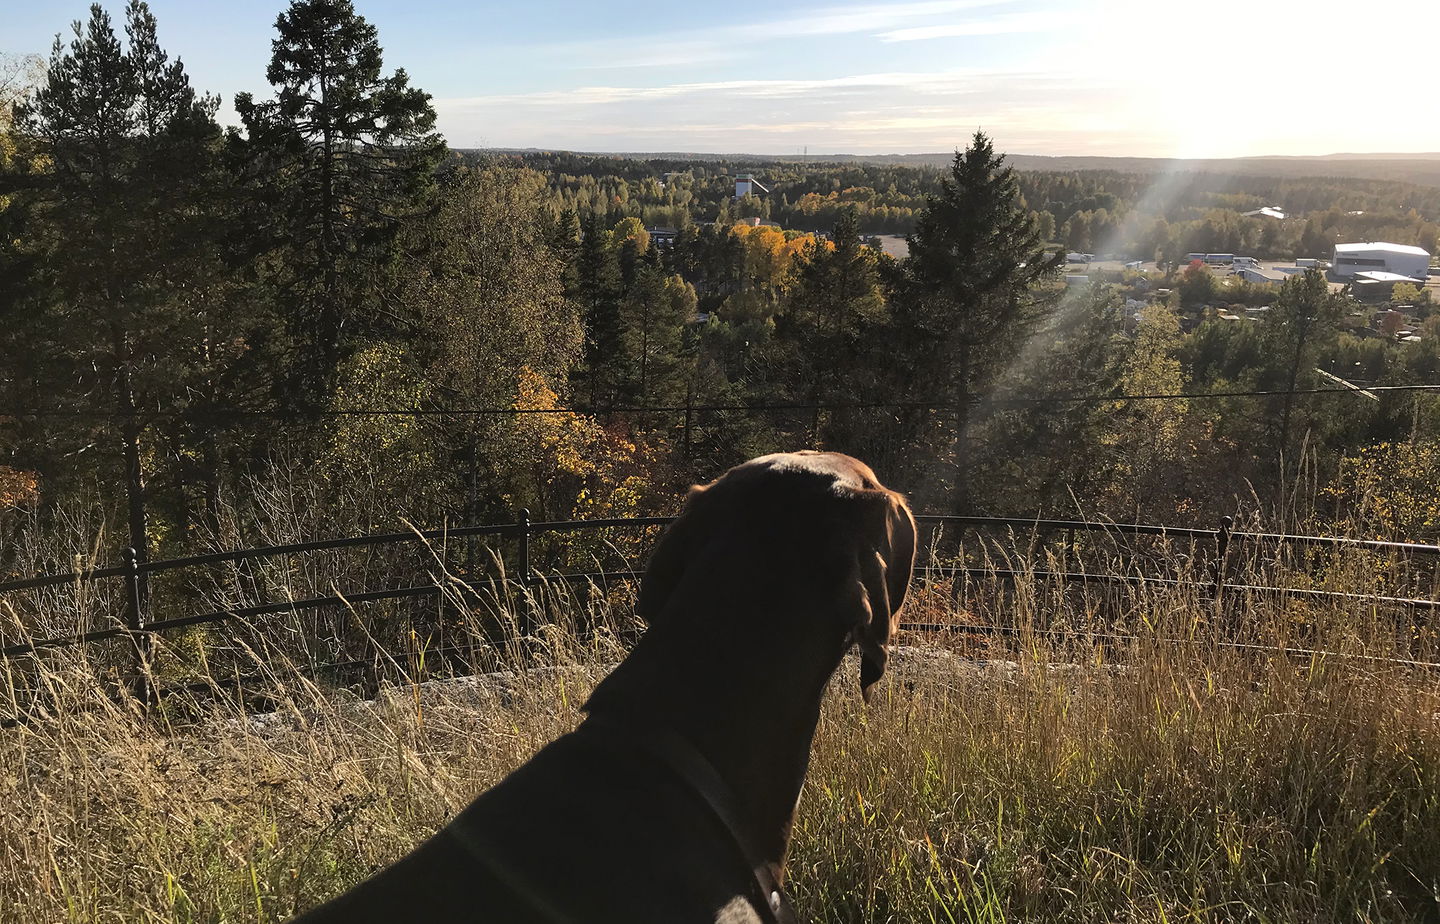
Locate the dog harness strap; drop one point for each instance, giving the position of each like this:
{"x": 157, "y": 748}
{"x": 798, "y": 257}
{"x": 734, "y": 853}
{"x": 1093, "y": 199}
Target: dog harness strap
{"x": 685, "y": 761}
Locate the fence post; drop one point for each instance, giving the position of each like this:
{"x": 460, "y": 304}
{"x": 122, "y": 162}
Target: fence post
{"x": 472, "y": 509}
{"x": 134, "y": 621}
{"x": 527, "y": 616}
{"x": 525, "y": 546}
{"x": 689, "y": 412}
{"x": 1222, "y": 548}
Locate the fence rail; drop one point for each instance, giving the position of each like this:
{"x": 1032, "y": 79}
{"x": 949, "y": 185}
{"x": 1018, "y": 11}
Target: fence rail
{"x": 135, "y": 626}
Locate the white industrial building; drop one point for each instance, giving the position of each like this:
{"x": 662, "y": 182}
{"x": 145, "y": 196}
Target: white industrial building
{"x": 1252, "y": 274}
{"x": 1380, "y": 257}
{"x": 1376, "y": 285}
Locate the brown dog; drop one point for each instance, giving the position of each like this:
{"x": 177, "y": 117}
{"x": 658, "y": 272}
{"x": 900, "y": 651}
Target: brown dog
{"x": 673, "y": 800}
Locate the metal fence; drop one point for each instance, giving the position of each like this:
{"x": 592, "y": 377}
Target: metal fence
{"x": 134, "y": 574}
{"x": 136, "y": 626}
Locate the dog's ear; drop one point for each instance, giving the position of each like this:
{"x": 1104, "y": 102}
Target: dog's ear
{"x": 667, "y": 563}
{"x": 884, "y": 565}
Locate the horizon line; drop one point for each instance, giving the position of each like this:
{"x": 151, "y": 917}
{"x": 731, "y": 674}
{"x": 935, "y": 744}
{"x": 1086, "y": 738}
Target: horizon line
{"x": 698, "y": 153}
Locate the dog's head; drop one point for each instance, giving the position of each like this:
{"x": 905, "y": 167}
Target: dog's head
{"x": 824, "y": 512}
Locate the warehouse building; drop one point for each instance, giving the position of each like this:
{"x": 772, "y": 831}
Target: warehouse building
{"x": 1380, "y": 257}
{"x": 1376, "y": 286}
{"x": 1262, "y": 277}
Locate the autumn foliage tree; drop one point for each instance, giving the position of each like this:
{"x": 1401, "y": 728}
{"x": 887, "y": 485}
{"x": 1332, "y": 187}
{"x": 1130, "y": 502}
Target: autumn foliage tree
{"x": 489, "y": 300}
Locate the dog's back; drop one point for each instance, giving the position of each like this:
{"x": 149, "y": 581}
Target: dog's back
{"x": 584, "y": 832}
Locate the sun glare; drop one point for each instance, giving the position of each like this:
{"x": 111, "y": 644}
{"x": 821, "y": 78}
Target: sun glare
{"x": 1234, "y": 78}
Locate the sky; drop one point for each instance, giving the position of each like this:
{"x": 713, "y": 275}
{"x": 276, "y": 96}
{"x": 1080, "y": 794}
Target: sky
{"x": 1154, "y": 78}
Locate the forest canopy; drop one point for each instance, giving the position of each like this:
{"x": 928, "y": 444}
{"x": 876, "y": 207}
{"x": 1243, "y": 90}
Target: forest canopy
{"x": 327, "y": 292}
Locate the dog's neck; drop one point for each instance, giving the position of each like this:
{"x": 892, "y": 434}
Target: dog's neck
{"x": 749, "y": 701}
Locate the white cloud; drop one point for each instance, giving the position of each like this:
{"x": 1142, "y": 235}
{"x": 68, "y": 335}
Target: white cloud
{"x": 628, "y": 54}
{"x": 999, "y": 25}
{"x": 731, "y": 42}
{"x": 851, "y": 19}
{"x": 918, "y": 82}
{"x": 886, "y": 111}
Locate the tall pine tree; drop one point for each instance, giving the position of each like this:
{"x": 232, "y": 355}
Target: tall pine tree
{"x": 826, "y": 334}
{"x": 115, "y": 182}
{"x": 973, "y": 287}
{"x": 343, "y": 156}
{"x": 655, "y": 313}
{"x": 599, "y": 292}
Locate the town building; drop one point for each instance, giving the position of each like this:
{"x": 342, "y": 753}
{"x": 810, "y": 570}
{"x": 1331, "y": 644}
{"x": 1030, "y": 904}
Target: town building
{"x": 1380, "y": 257}
{"x": 1252, "y": 274}
{"x": 746, "y": 184}
{"x": 1376, "y": 285}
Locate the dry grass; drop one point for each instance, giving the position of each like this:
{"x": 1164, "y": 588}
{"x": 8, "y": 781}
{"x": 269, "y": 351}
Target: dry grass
{"x": 1023, "y": 779}
{"x": 1174, "y": 788}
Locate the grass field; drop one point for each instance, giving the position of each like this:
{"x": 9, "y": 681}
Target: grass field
{"x": 1166, "y": 777}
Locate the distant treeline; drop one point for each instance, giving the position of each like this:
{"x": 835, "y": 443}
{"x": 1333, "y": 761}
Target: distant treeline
{"x": 1139, "y": 215}
{"x": 1421, "y": 169}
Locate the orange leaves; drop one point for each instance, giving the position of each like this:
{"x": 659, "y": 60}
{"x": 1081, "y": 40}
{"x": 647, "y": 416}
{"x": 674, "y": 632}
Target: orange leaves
{"x": 566, "y": 442}
{"x": 770, "y": 252}
{"x": 17, "y": 487}
{"x": 566, "y": 465}
{"x": 632, "y": 229}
